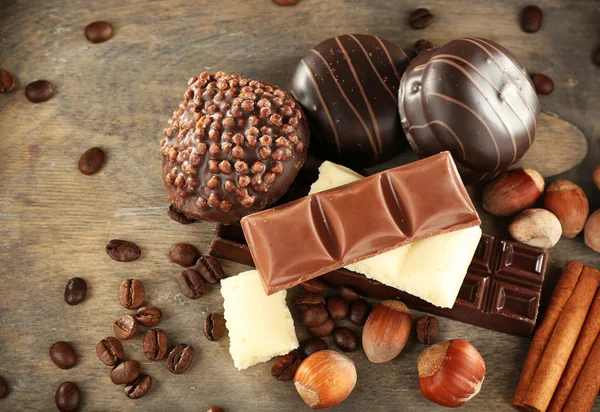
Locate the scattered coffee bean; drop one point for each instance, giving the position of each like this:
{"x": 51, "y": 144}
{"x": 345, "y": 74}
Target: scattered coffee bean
{"x": 122, "y": 250}
{"x": 214, "y": 326}
{"x": 420, "y": 46}
{"x": 149, "y": 316}
{"x": 543, "y": 84}
{"x": 191, "y": 284}
{"x": 180, "y": 358}
{"x": 139, "y": 387}
{"x": 68, "y": 397}
{"x": 125, "y": 372}
{"x": 7, "y": 81}
{"x": 63, "y": 355}
{"x": 215, "y": 409}
{"x": 131, "y": 293}
{"x": 110, "y": 351}
{"x": 337, "y": 307}
{"x": 39, "y": 91}
{"x": 428, "y": 329}
{"x": 285, "y": 367}
{"x": 91, "y": 160}
{"x": 308, "y": 299}
{"x": 359, "y": 312}
{"x": 532, "y": 19}
{"x": 313, "y": 286}
{"x": 348, "y": 293}
{"x": 597, "y": 57}
{"x": 75, "y": 291}
{"x": 98, "y": 31}
{"x": 315, "y": 315}
{"x": 312, "y": 345}
{"x": 3, "y": 387}
{"x": 286, "y": 2}
{"x": 155, "y": 344}
{"x": 323, "y": 330}
{"x": 420, "y": 18}
{"x": 345, "y": 339}
{"x": 210, "y": 269}
{"x": 126, "y": 327}
{"x": 184, "y": 254}
{"x": 178, "y": 216}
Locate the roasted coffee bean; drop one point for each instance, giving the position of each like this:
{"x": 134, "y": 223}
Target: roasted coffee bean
{"x": 597, "y": 57}
{"x": 3, "y": 387}
{"x": 122, "y": 250}
{"x": 312, "y": 345}
{"x": 210, "y": 269}
{"x": 184, "y": 254}
{"x": 39, "y": 91}
{"x": 91, "y": 160}
{"x": 125, "y": 372}
{"x": 345, "y": 339}
{"x": 191, "y": 284}
{"x": 131, "y": 293}
{"x": 126, "y": 327}
{"x": 68, "y": 397}
{"x": 178, "y": 216}
{"x": 63, "y": 355}
{"x": 543, "y": 84}
{"x": 180, "y": 358}
{"x": 98, "y": 31}
{"x": 323, "y": 330}
{"x": 420, "y": 46}
{"x": 315, "y": 315}
{"x": 420, "y": 18}
{"x": 149, "y": 316}
{"x": 348, "y": 293}
{"x": 359, "y": 312}
{"x": 286, "y": 2}
{"x": 155, "y": 344}
{"x": 532, "y": 19}
{"x": 7, "y": 81}
{"x": 139, "y": 387}
{"x": 308, "y": 299}
{"x": 337, "y": 307}
{"x": 110, "y": 351}
{"x": 285, "y": 367}
{"x": 215, "y": 409}
{"x": 75, "y": 291}
{"x": 214, "y": 326}
{"x": 428, "y": 329}
{"x": 313, "y": 286}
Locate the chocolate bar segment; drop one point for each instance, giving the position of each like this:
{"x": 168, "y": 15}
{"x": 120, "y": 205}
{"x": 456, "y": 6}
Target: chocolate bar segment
{"x": 317, "y": 234}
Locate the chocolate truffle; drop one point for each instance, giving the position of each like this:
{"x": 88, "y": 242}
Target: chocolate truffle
{"x": 473, "y": 98}
{"x": 232, "y": 147}
{"x": 348, "y": 87}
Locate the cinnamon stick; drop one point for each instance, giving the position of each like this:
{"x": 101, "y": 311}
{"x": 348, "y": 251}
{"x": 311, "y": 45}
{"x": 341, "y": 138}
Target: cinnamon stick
{"x": 566, "y": 284}
{"x": 588, "y": 384}
{"x": 563, "y": 339}
{"x": 589, "y": 335}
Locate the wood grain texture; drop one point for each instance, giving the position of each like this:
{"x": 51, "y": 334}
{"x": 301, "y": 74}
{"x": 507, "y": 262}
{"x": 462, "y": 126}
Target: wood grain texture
{"x": 55, "y": 222}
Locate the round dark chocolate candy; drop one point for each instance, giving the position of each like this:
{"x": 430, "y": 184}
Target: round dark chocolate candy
{"x": 348, "y": 87}
{"x": 472, "y": 98}
{"x": 232, "y": 147}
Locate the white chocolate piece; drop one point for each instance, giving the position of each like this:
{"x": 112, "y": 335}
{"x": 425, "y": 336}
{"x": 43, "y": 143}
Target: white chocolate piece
{"x": 432, "y": 269}
{"x": 260, "y": 326}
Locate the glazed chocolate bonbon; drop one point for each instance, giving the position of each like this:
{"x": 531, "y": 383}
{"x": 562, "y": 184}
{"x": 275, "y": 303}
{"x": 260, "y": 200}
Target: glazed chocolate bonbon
{"x": 348, "y": 86}
{"x": 473, "y": 98}
{"x": 233, "y": 147}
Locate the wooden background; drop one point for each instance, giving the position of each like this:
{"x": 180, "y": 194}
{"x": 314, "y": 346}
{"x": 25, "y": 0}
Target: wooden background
{"x": 55, "y": 222}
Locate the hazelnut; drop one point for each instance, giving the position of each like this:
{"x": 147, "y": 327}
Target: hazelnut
{"x": 591, "y": 234}
{"x": 386, "y": 331}
{"x": 597, "y": 176}
{"x": 325, "y": 379}
{"x": 450, "y": 373}
{"x": 512, "y": 192}
{"x": 536, "y": 227}
{"x": 569, "y": 204}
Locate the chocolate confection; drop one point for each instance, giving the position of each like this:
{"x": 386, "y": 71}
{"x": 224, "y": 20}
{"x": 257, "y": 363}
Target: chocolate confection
{"x": 320, "y": 233}
{"x": 348, "y": 87}
{"x": 473, "y": 98}
{"x": 232, "y": 148}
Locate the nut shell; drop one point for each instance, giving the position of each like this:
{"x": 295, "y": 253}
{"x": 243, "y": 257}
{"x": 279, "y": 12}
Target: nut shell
{"x": 591, "y": 233}
{"x": 512, "y": 192}
{"x": 386, "y": 331}
{"x": 569, "y": 204}
{"x": 597, "y": 176}
{"x": 536, "y": 227}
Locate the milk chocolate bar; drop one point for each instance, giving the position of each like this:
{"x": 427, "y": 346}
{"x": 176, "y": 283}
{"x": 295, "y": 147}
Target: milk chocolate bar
{"x": 317, "y": 234}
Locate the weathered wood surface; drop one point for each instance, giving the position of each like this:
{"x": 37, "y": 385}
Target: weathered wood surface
{"x": 55, "y": 222}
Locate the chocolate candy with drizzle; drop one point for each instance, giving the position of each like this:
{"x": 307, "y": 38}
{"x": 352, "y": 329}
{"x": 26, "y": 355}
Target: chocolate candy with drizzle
{"x": 232, "y": 147}
{"x": 473, "y": 98}
{"x": 348, "y": 87}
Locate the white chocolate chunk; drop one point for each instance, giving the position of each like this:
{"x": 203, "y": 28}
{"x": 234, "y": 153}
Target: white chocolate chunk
{"x": 432, "y": 269}
{"x": 260, "y": 326}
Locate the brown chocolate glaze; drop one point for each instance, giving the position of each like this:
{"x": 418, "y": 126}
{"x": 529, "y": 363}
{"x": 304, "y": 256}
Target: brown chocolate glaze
{"x": 473, "y": 98}
{"x": 232, "y": 147}
{"x": 348, "y": 87}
